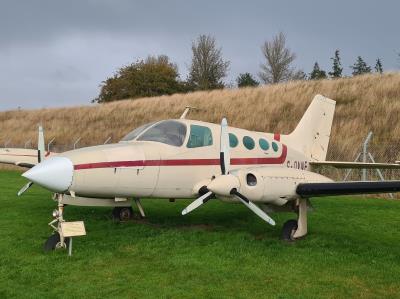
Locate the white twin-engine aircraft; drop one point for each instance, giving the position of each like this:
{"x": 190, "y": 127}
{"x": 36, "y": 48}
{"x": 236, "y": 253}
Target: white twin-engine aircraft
{"x": 181, "y": 158}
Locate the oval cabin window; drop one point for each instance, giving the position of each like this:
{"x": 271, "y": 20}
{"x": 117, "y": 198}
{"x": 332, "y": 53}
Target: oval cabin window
{"x": 275, "y": 146}
{"x": 233, "y": 141}
{"x": 263, "y": 144}
{"x": 248, "y": 142}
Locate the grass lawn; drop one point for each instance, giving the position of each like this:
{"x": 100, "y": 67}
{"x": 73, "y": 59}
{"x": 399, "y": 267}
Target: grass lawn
{"x": 218, "y": 251}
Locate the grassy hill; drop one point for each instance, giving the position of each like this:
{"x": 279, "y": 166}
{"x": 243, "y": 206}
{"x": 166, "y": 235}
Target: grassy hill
{"x": 364, "y": 103}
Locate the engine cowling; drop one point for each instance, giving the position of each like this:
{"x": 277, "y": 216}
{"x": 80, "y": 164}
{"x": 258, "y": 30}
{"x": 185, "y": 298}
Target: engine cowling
{"x": 274, "y": 185}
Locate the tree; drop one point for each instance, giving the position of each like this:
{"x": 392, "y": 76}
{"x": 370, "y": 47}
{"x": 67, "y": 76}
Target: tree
{"x": 207, "y": 68}
{"x": 360, "y": 67}
{"x": 246, "y": 79}
{"x": 151, "y": 77}
{"x": 337, "y": 66}
{"x": 378, "y": 66}
{"x": 277, "y": 67}
{"x": 299, "y": 75}
{"x": 317, "y": 73}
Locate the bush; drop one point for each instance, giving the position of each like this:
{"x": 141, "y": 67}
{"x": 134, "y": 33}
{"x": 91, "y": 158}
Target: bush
{"x": 152, "y": 77}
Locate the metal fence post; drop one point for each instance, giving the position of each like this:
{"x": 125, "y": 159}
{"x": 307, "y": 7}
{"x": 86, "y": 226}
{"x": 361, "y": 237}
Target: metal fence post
{"x": 76, "y": 142}
{"x": 350, "y": 170}
{"x": 28, "y": 142}
{"x": 48, "y": 145}
{"x": 365, "y": 155}
{"x": 108, "y": 139}
{"x": 379, "y": 173}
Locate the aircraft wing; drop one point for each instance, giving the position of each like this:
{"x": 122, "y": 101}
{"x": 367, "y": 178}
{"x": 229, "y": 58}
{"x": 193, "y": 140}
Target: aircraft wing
{"x": 362, "y": 165}
{"x": 347, "y": 188}
{"x": 20, "y": 156}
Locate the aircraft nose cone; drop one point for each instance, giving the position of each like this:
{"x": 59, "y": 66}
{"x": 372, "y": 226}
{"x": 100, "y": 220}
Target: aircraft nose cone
{"x": 54, "y": 174}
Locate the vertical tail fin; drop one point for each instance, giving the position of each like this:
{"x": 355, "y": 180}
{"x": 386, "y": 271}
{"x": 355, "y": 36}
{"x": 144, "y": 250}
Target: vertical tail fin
{"x": 312, "y": 134}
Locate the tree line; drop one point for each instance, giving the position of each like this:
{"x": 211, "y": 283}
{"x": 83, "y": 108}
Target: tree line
{"x": 157, "y": 75}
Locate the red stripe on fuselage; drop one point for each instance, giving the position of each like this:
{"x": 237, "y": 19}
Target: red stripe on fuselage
{"x": 277, "y": 137}
{"x": 184, "y": 162}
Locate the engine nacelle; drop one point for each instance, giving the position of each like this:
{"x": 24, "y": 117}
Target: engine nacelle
{"x": 274, "y": 185}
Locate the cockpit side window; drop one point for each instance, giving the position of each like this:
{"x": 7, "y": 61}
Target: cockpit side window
{"x": 135, "y": 133}
{"x": 169, "y": 132}
{"x": 199, "y": 136}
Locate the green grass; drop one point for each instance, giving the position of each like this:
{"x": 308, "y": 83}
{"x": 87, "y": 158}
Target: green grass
{"x": 219, "y": 251}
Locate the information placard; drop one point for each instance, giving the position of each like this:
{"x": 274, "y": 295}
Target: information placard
{"x": 73, "y": 229}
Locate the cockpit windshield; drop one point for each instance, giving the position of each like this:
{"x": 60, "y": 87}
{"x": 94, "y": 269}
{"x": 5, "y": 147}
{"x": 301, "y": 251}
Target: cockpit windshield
{"x": 135, "y": 133}
{"x": 169, "y": 132}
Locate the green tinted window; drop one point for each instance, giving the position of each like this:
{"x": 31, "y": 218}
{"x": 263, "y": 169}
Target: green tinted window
{"x": 275, "y": 146}
{"x": 199, "y": 136}
{"x": 263, "y": 144}
{"x": 233, "y": 141}
{"x": 248, "y": 142}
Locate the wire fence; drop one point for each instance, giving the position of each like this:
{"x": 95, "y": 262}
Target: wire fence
{"x": 377, "y": 152}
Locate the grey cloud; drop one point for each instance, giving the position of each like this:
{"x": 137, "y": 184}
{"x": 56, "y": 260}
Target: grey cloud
{"x": 56, "y": 53}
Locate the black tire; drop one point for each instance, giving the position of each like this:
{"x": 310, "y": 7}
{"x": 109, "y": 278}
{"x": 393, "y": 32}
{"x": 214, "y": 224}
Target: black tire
{"x": 122, "y": 213}
{"x": 288, "y": 230}
{"x": 52, "y": 242}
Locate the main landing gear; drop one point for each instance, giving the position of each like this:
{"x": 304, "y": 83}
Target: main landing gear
{"x": 122, "y": 213}
{"x": 296, "y": 229}
{"x": 56, "y": 240}
{"x": 126, "y": 213}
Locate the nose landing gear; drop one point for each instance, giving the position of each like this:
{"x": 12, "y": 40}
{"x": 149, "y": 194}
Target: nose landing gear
{"x": 56, "y": 240}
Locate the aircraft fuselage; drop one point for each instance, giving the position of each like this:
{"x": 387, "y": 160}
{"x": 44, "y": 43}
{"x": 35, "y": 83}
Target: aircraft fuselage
{"x": 154, "y": 169}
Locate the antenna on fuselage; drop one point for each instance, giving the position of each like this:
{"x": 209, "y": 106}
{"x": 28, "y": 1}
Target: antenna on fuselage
{"x": 187, "y": 109}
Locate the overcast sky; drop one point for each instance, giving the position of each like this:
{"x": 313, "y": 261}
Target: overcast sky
{"x": 56, "y": 53}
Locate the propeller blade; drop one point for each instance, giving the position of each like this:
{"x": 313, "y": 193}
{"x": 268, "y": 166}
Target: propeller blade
{"x": 41, "y": 148}
{"x": 224, "y": 157}
{"x": 198, "y": 202}
{"x": 24, "y": 188}
{"x": 260, "y": 213}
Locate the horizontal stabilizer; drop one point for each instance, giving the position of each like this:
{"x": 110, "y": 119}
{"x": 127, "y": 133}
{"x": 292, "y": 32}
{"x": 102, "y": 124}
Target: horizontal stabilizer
{"x": 347, "y": 188}
{"x": 362, "y": 165}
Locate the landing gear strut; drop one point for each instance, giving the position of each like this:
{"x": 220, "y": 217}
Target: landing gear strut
{"x": 56, "y": 240}
{"x": 295, "y": 229}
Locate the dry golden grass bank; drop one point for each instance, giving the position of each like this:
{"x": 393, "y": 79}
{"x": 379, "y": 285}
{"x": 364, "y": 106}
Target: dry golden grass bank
{"x": 364, "y": 103}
